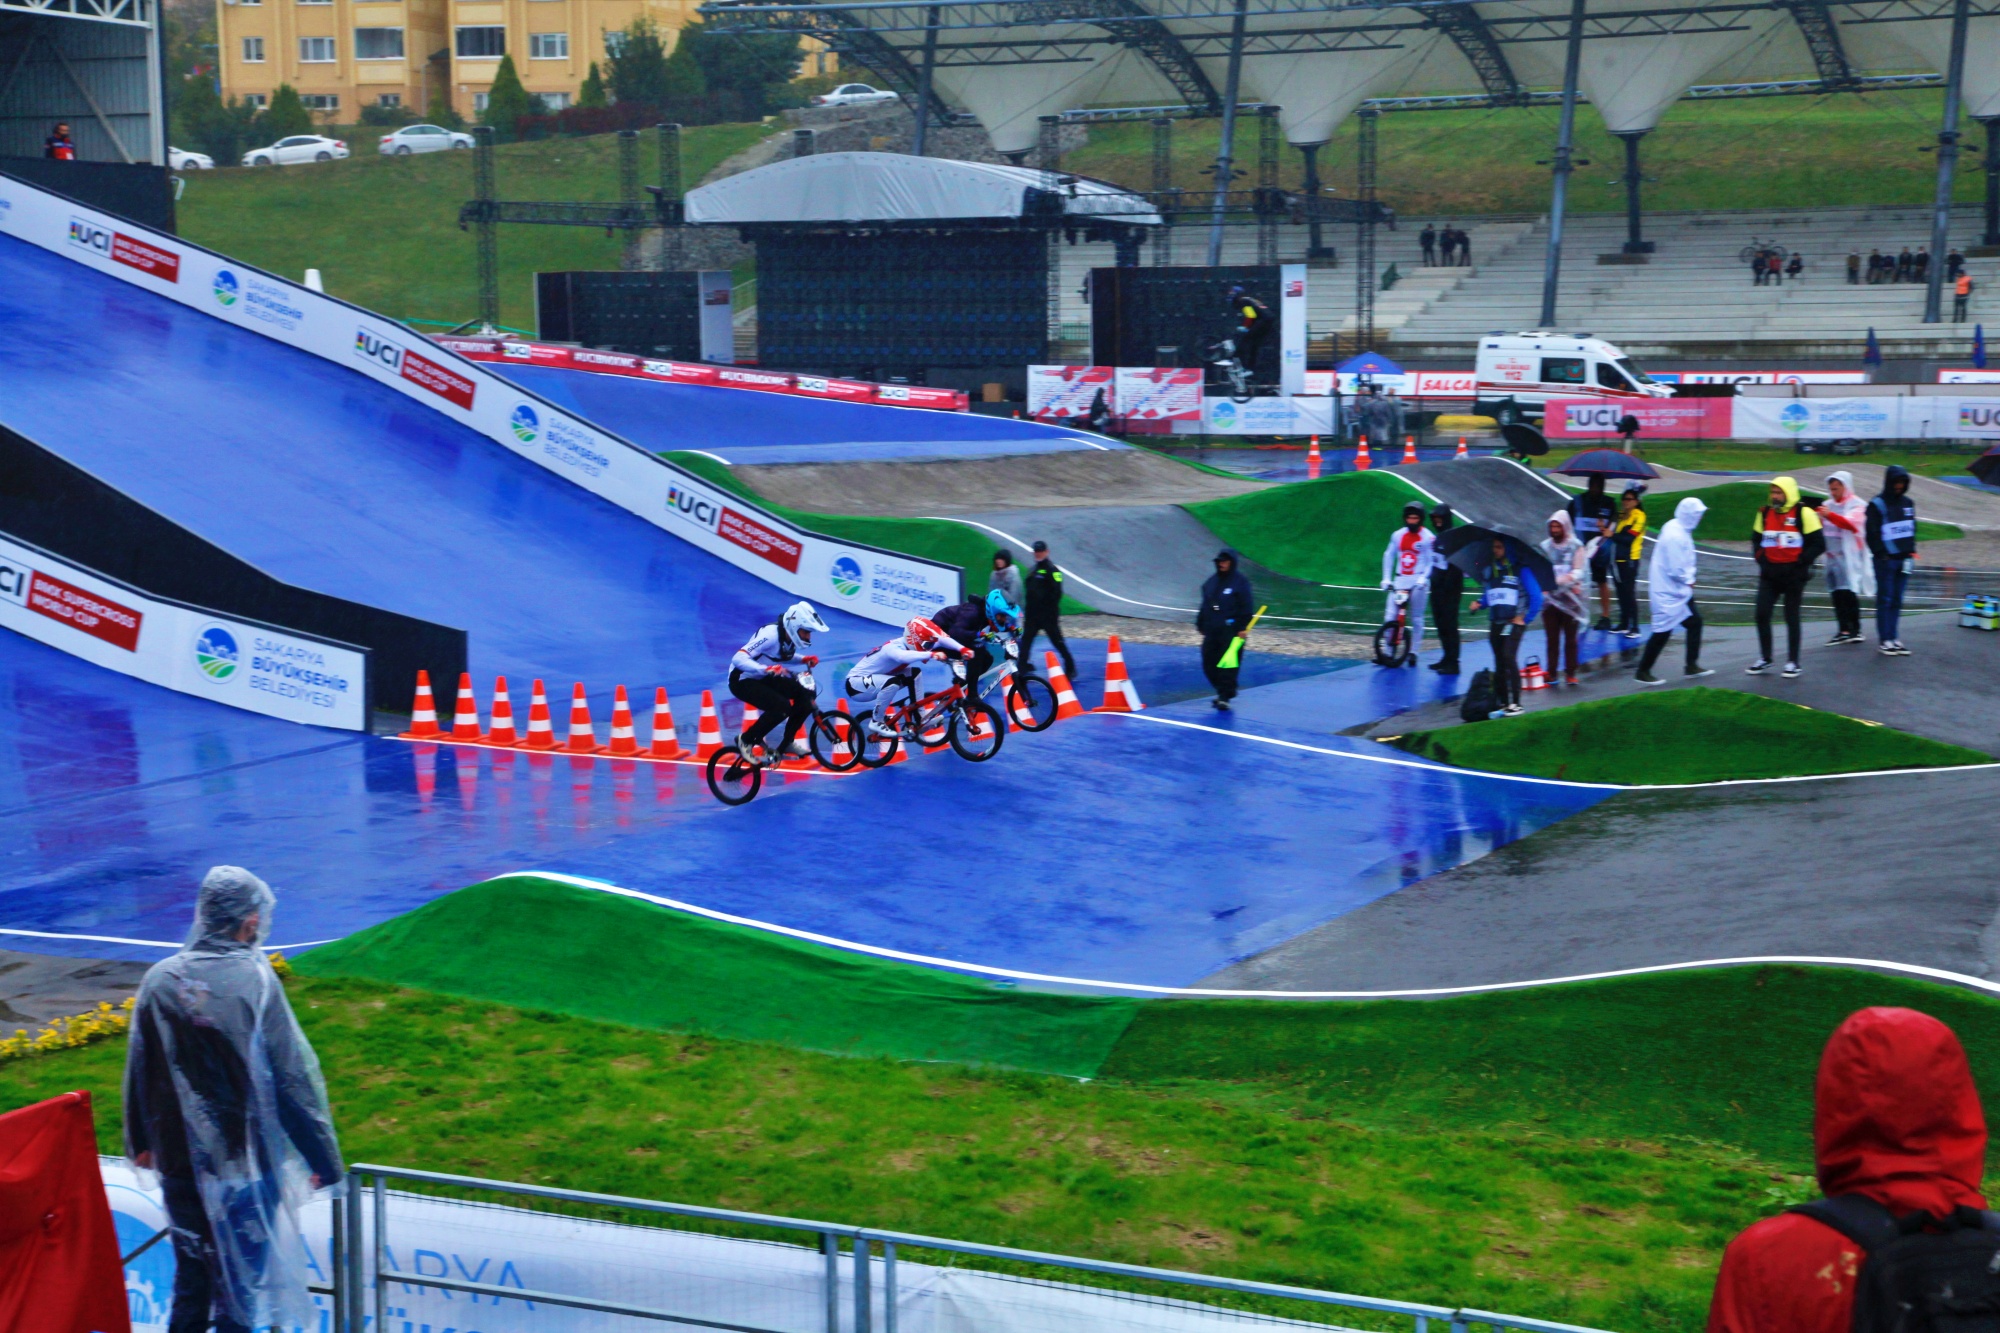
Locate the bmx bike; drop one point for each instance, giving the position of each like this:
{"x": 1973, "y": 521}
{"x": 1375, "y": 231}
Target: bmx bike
{"x": 735, "y": 779}
{"x": 1395, "y": 644}
{"x": 1222, "y": 355}
{"x": 954, "y": 715}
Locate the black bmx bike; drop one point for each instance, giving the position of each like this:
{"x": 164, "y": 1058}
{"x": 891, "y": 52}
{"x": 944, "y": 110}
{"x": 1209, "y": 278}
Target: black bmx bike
{"x": 735, "y": 779}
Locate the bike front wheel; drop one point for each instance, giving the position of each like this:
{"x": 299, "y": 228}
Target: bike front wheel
{"x": 733, "y": 779}
{"x": 872, "y": 751}
{"x": 834, "y": 741}
{"x": 976, "y": 731}
{"x": 1032, "y": 703}
{"x": 1392, "y": 644}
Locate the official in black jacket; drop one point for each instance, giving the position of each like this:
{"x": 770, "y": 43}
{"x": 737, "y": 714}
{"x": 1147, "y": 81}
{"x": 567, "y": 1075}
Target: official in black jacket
{"x": 1447, "y": 591}
{"x": 1227, "y": 605}
{"x": 1042, "y": 613}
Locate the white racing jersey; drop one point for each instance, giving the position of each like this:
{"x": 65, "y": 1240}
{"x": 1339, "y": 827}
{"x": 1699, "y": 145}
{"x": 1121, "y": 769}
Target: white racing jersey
{"x": 768, "y": 647}
{"x": 896, "y": 656}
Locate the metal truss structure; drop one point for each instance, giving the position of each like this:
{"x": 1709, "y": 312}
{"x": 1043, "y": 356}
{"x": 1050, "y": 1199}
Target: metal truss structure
{"x": 131, "y": 13}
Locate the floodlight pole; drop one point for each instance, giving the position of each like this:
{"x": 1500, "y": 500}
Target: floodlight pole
{"x": 1561, "y": 168}
{"x": 1947, "y": 152}
{"x": 1225, "y": 154}
{"x": 1635, "y": 242}
{"x": 931, "y": 21}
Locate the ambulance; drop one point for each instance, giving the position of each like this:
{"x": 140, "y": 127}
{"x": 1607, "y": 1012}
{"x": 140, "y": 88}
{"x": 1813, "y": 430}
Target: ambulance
{"x": 1517, "y": 374}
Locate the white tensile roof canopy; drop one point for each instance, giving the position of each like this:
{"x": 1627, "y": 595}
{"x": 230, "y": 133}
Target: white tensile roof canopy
{"x": 894, "y": 187}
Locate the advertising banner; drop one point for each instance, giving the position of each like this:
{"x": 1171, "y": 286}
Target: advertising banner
{"x": 1291, "y": 329}
{"x": 1968, "y": 375}
{"x": 437, "y": 375}
{"x": 718, "y": 316}
{"x": 1270, "y": 416}
{"x": 1868, "y": 418}
{"x": 1414, "y": 384}
{"x": 1056, "y": 393}
{"x": 236, "y": 662}
{"x": 1659, "y": 418}
{"x": 1759, "y": 376}
{"x": 1158, "y": 393}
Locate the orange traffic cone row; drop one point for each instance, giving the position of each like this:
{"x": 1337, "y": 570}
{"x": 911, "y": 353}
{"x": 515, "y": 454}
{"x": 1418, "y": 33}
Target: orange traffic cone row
{"x": 709, "y": 738}
{"x": 1119, "y": 696}
{"x": 503, "y": 716}
{"x": 1409, "y": 450}
{"x": 582, "y": 736}
{"x": 1361, "y": 463}
{"x": 1533, "y": 677}
{"x": 622, "y": 739}
{"x": 1462, "y": 453}
{"x": 1015, "y": 711}
{"x": 423, "y": 712}
{"x": 465, "y": 717}
{"x": 1066, "y": 700}
{"x": 541, "y": 730}
{"x": 1312, "y": 459}
{"x": 666, "y": 745}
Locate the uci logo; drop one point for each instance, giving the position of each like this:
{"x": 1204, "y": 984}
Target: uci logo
{"x": 694, "y": 508}
{"x": 1982, "y": 418}
{"x": 225, "y": 288}
{"x": 1594, "y": 418}
{"x": 374, "y": 347}
{"x": 525, "y": 423}
{"x": 14, "y": 584}
{"x": 90, "y": 236}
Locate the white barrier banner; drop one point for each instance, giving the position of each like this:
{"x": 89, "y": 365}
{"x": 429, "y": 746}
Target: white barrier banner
{"x": 1059, "y": 392}
{"x": 802, "y": 563}
{"x": 1968, "y": 376}
{"x": 1159, "y": 393}
{"x": 1867, "y": 418}
{"x": 1270, "y": 416}
{"x": 1759, "y": 376}
{"x": 234, "y": 662}
{"x": 1291, "y": 329}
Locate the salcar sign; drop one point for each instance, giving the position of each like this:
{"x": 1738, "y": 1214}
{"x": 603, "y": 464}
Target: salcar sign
{"x": 236, "y": 662}
{"x": 440, "y": 378}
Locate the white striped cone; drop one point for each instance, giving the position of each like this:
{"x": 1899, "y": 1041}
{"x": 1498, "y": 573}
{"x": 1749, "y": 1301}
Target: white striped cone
{"x": 1409, "y": 450}
{"x": 1119, "y": 696}
{"x": 666, "y": 745}
{"x": 423, "y": 712}
{"x": 1463, "y": 452}
{"x": 541, "y": 730}
{"x": 1015, "y": 711}
{"x": 1066, "y": 700}
{"x": 709, "y": 738}
{"x": 465, "y": 716}
{"x": 503, "y": 716}
{"x": 582, "y": 736}
{"x": 622, "y": 739}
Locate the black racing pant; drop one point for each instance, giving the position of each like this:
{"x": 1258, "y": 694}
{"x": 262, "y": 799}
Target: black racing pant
{"x": 1658, "y": 643}
{"x": 779, "y": 699}
{"x": 1506, "y": 643}
{"x": 1627, "y": 572}
{"x": 194, "y": 1260}
{"x": 1213, "y": 646}
{"x": 1447, "y": 587}
{"x": 1770, "y": 591}
{"x": 1847, "y": 609}
{"x": 1034, "y": 625}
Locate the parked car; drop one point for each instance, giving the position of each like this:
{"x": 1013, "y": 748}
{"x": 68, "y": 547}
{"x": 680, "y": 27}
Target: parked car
{"x": 180, "y": 159}
{"x": 296, "y": 148}
{"x": 421, "y": 139}
{"x": 854, "y": 94}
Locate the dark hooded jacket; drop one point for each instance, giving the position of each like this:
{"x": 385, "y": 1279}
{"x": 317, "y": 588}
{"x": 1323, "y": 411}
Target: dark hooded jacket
{"x": 1226, "y": 600}
{"x": 964, "y": 621}
{"x": 1896, "y": 1117}
{"x": 1892, "y": 517}
{"x": 1443, "y": 572}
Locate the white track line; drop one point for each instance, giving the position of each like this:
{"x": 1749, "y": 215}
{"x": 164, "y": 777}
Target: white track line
{"x": 147, "y": 944}
{"x": 899, "y": 955}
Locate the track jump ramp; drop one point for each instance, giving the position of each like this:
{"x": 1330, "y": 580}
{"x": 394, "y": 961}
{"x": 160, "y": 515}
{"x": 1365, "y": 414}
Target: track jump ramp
{"x": 876, "y": 585}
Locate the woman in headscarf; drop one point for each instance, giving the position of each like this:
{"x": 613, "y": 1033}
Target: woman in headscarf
{"x": 1672, "y": 591}
{"x": 1850, "y": 570}
{"x": 1564, "y": 610}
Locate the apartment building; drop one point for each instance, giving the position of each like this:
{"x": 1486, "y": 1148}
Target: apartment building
{"x": 341, "y": 55}
{"x": 553, "y": 42}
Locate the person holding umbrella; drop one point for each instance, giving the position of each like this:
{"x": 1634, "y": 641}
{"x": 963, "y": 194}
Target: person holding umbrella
{"x": 1594, "y": 515}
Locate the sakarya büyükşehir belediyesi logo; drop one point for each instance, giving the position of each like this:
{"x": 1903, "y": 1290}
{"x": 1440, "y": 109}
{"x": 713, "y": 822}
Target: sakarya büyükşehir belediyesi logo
{"x": 845, "y": 574}
{"x": 215, "y": 652}
{"x": 226, "y": 287}
{"x": 525, "y": 423}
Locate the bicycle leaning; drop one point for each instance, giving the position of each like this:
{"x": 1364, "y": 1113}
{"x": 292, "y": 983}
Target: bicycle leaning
{"x": 735, "y": 779}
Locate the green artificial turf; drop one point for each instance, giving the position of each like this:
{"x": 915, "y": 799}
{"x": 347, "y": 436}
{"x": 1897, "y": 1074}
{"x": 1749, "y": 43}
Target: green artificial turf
{"x": 384, "y": 231}
{"x": 1685, "y": 735}
{"x": 1330, "y": 531}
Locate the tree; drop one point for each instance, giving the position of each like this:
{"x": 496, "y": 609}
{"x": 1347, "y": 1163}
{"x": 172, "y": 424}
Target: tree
{"x": 638, "y": 60}
{"x": 685, "y": 80}
{"x": 286, "y": 115}
{"x": 204, "y": 123}
{"x": 592, "y": 95}
{"x": 754, "y": 66}
{"x": 507, "y": 102}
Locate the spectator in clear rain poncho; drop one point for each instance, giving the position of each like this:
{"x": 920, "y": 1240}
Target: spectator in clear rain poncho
{"x": 224, "y": 1100}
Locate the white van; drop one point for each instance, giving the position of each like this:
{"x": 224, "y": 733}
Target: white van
{"x": 1517, "y": 373}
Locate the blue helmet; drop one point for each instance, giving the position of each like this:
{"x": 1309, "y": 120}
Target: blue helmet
{"x": 1002, "y": 613}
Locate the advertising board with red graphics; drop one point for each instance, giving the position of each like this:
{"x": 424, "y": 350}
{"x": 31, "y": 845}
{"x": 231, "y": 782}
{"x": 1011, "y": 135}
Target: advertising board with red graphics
{"x": 240, "y": 663}
{"x": 1158, "y": 393}
{"x": 1659, "y": 418}
{"x": 446, "y": 376}
{"x": 1059, "y": 393}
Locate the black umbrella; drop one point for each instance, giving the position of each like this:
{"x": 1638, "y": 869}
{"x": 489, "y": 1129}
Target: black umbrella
{"x": 1470, "y": 548}
{"x": 1524, "y": 440}
{"x": 1986, "y": 467}
{"x": 1607, "y": 463}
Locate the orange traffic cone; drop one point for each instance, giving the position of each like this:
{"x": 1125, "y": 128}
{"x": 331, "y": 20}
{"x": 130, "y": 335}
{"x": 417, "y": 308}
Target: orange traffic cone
{"x": 1312, "y": 459}
{"x": 709, "y": 738}
{"x": 666, "y": 745}
{"x": 750, "y": 715}
{"x": 541, "y": 732}
{"x": 1015, "y": 711}
{"x": 842, "y": 751}
{"x": 1409, "y": 450}
{"x": 582, "y": 736}
{"x": 465, "y": 718}
{"x": 503, "y": 716}
{"x": 423, "y": 712}
{"x": 622, "y": 739}
{"x": 1461, "y": 448}
{"x": 1533, "y": 677}
{"x": 1119, "y": 696}
{"x": 1361, "y": 463}
{"x": 1066, "y": 700}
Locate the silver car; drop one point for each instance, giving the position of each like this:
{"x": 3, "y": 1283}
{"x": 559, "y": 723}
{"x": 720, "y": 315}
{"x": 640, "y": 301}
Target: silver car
{"x": 421, "y": 139}
{"x": 296, "y": 148}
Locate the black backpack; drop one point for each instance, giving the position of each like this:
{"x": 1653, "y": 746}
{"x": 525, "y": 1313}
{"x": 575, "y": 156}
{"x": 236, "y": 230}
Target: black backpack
{"x": 1922, "y": 1274}
{"x": 1478, "y": 703}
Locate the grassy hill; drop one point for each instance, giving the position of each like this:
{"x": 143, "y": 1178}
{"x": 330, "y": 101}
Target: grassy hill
{"x": 384, "y": 231}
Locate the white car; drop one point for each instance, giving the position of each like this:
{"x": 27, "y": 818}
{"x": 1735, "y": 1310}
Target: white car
{"x": 854, "y": 94}
{"x": 180, "y": 159}
{"x": 421, "y": 139}
{"x": 296, "y": 148}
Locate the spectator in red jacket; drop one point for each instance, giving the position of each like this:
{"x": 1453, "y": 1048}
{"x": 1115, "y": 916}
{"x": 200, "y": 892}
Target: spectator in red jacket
{"x": 1895, "y": 1118}
{"x": 59, "y": 146}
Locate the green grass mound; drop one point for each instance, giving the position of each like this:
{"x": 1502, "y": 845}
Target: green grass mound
{"x": 1331, "y": 530}
{"x": 544, "y": 944}
{"x": 1689, "y": 735}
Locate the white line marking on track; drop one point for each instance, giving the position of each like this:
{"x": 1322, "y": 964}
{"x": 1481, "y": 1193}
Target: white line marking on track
{"x": 149, "y": 944}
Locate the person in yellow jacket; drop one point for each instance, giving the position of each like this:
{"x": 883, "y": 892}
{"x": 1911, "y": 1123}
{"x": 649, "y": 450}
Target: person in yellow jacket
{"x": 1628, "y": 543}
{"x": 1785, "y": 539}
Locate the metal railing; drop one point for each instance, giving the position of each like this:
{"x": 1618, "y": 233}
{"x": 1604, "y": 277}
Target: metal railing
{"x": 363, "y": 1274}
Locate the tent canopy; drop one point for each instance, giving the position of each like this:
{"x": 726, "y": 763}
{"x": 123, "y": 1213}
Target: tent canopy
{"x": 1368, "y": 363}
{"x": 895, "y": 187}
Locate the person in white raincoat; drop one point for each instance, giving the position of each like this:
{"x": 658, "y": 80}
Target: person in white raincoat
{"x": 1850, "y": 570}
{"x": 1671, "y": 591}
{"x": 224, "y": 1100}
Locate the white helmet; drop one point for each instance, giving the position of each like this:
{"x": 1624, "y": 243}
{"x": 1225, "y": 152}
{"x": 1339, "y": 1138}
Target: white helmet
{"x": 801, "y": 622}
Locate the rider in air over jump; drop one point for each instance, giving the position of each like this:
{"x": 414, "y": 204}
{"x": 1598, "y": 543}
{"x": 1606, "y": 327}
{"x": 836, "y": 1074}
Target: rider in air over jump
{"x": 765, "y": 675}
{"x": 897, "y": 662}
{"x": 1252, "y": 327}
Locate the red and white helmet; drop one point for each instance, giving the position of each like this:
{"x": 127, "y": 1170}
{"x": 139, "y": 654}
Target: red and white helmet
{"x": 921, "y": 633}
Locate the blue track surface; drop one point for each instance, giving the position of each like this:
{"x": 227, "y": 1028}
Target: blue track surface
{"x": 741, "y": 426}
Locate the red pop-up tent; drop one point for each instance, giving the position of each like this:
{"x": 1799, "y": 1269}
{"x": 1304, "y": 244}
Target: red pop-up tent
{"x": 59, "y": 1270}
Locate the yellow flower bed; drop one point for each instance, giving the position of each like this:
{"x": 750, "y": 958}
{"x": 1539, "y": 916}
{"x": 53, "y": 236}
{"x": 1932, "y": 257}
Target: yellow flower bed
{"x": 65, "y": 1033}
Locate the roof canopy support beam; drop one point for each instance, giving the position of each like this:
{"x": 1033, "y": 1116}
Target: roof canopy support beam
{"x": 1131, "y": 26}
{"x": 1822, "y": 38}
{"x": 1476, "y": 42}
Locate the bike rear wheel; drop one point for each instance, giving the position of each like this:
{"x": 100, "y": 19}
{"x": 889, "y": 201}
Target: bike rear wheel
{"x": 872, "y": 751}
{"x": 1392, "y": 644}
{"x": 976, "y": 731}
{"x": 831, "y": 733}
{"x": 1032, "y": 702}
{"x": 733, "y": 779}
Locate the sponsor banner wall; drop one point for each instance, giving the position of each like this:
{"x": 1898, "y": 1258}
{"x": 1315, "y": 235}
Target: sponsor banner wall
{"x": 1270, "y": 416}
{"x": 1968, "y": 376}
{"x": 1059, "y": 392}
{"x": 1159, "y": 393}
{"x": 1759, "y": 376}
{"x": 1659, "y": 418}
{"x": 1867, "y": 418}
{"x": 1292, "y": 329}
{"x": 235, "y": 662}
{"x": 857, "y": 579}
{"x": 1414, "y": 384}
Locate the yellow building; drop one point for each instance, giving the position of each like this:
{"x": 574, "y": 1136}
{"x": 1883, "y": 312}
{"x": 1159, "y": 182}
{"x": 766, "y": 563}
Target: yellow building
{"x": 341, "y": 55}
{"x": 553, "y": 42}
